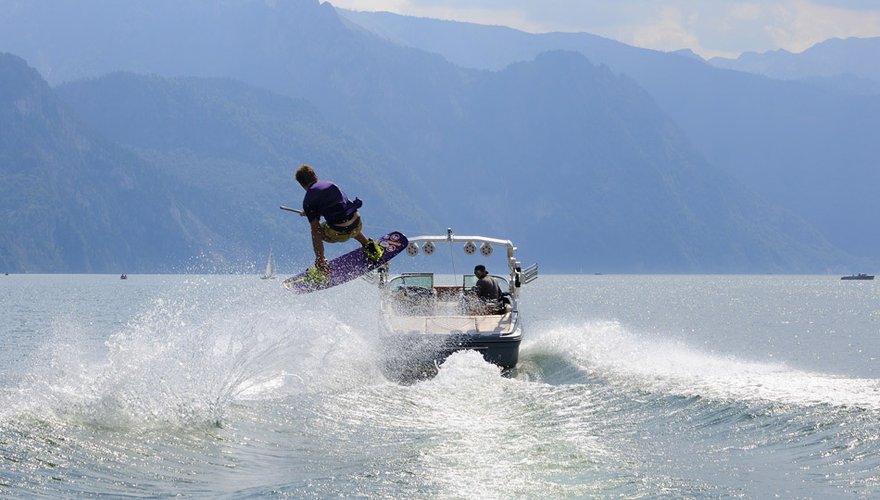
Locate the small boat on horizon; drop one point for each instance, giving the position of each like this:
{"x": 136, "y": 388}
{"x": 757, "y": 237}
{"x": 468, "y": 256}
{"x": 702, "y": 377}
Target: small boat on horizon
{"x": 860, "y": 276}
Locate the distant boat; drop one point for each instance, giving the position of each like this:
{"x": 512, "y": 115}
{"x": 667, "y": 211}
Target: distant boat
{"x": 123, "y": 276}
{"x": 860, "y": 276}
{"x": 269, "y": 274}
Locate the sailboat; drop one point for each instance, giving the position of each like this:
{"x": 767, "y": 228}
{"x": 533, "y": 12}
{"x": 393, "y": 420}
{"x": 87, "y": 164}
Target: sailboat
{"x": 270, "y": 268}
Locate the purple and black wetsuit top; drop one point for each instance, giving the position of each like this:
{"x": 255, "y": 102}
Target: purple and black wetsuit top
{"x": 326, "y": 199}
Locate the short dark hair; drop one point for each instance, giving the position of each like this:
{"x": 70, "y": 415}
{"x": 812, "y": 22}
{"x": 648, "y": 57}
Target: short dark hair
{"x": 479, "y": 268}
{"x": 306, "y": 175}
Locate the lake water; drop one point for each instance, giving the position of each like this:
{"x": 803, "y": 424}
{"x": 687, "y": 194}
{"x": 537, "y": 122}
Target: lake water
{"x": 633, "y": 386}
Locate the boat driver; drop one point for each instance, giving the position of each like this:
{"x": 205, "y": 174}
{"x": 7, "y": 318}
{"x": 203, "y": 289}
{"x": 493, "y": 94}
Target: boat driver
{"x": 486, "y": 292}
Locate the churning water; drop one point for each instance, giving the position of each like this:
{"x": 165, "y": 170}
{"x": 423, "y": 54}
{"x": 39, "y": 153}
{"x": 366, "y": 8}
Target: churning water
{"x": 633, "y": 386}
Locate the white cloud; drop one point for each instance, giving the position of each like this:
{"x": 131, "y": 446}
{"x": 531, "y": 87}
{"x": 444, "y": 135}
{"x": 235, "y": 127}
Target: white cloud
{"x": 803, "y": 23}
{"x": 671, "y": 31}
{"x": 851, "y": 4}
{"x": 745, "y": 12}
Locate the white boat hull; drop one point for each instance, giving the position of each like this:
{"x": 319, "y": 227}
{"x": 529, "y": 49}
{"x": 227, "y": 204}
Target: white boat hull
{"x": 415, "y": 345}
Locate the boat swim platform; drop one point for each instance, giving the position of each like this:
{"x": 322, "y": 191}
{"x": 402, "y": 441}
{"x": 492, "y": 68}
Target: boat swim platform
{"x": 496, "y": 324}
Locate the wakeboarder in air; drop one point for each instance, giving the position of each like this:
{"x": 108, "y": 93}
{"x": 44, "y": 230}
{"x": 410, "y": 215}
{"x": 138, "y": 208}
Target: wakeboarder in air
{"x": 341, "y": 218}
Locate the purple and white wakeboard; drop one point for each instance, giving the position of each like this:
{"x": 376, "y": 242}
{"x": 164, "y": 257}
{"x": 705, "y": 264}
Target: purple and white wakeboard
{"x": 349, "y": 266}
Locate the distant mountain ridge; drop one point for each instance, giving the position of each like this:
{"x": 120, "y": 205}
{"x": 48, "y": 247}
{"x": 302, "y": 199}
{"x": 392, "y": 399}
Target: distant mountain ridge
{"x": 141, "y": 195}
{"x": 61, "y": 187}
{"x": 245, "y": 174}
{"x": 617, "y": 184}
{"x": 297, "y": 48}
{"x": 241, "y": 141}
{"x": 858, "y": 57}
{"x": 805, "y": 145}
{"x": 553, "y": 147}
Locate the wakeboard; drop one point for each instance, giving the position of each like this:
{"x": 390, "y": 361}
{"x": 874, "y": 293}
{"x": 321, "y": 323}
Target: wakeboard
{"x": 347, "y": 267}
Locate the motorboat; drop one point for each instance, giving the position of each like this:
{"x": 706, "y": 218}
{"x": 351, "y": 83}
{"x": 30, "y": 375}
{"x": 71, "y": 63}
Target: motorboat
{"x": 860, "y": 276}
{"x": 427, "y": 316}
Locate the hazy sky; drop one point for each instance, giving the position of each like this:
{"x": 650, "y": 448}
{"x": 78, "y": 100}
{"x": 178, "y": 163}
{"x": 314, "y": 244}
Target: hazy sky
{"x": 709, "y": 27}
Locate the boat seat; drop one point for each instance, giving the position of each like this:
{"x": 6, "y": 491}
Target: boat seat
{"x": 414, "y": 301}
{"x": 462, "y": 324}
{"x": 408, "y": 324}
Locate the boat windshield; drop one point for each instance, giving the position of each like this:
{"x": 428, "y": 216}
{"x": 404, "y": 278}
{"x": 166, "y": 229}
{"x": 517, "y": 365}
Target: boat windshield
{"x": 422, "y": 280}
{"x": 470, "y": 280}
{"x": 426, "y": 280}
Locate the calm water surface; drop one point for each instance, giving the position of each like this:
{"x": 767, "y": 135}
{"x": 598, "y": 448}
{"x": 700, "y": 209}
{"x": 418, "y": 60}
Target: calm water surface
{"x": 633, "y": 386}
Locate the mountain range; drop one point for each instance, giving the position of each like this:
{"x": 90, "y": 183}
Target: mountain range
{"x": 62, "y": 188}
{"x": 858, "y": 58}
{"x": 851, "y": 65}
{"x": 803, "y": 144}
{"x": 192, "y": 128}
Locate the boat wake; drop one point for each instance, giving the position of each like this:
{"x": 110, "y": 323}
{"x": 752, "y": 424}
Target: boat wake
{"x": 607, "y": 350}
{"x": 184, "y": 361}
{"x": 191, "y": 355}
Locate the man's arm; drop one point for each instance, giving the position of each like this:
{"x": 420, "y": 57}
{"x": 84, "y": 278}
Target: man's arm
{"x": 318, "y": 242}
